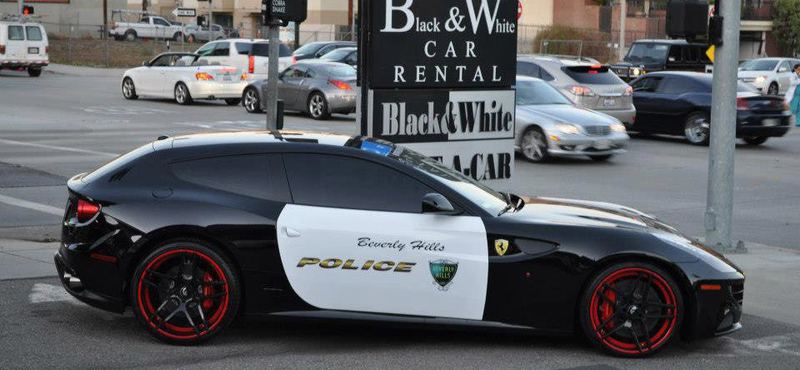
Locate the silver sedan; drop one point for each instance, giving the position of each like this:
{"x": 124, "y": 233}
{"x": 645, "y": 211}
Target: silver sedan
{"x": 314, "y": 87}
{"x": 549, "y": 124}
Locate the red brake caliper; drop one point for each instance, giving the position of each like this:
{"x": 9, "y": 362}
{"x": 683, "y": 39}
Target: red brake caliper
{"x": 607, "y": 309}
{"x": 207, "y": 291}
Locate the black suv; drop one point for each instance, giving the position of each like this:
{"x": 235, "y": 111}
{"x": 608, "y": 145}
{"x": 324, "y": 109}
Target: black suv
{"x": 662, "y": 55}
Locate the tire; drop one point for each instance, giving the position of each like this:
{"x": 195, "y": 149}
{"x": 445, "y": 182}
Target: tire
{"x": 616, "y": 306}
{"x": 773, "y": 89}
{"x": 185, "y": 292}
{"x": 318, "y": 106}
{"x": 533, "y": 145}
{"x": 601, "y": 158}
{"x": 233, "y": 101}
{"x": 756, "y": 141}
{"x": 251, "y": 101}
{"x": 177, "y": 37}
{"x": 129, "y": 89}
{"x": 697, "y": 128}
{"x": 34, "y": 72}
{"x": 130, "y": 35}
{"x": 182, "y": 94}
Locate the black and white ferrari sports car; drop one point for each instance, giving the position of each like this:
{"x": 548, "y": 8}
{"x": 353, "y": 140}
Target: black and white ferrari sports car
{"x": 194, "y": 230}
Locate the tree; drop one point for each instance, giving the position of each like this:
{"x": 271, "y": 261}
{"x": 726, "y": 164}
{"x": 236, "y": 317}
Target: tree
{"x": 786, "y": 26}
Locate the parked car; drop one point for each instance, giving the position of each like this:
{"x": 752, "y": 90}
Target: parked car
{"x": 184, "y": 77}
{"x": 347, "y": 56}
{"x": 250, "y": 55}
{"x": 314, "y": 87}
{"x": 768, "y": 75}
{"x": 326, "y": 226}
{"x": 549, "y": 124}
{"x": 149, "y": 27}
{"x": 679, "y": 103}
{"x": 588, "y": 85}
{"x": 195, "y": 33}
{"x": 316, "y": 50}
{"x": 647, "y": 56}
{"x": 23, "y": 45}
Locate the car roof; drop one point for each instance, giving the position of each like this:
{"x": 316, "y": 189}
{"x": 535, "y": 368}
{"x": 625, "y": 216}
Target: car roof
{"x": 528, "y": 78}
{"x": 667, "y": 42}
{"x": 318, "y": 62}
{"x": 260, "y": 137}
{"x": 557, "y": 58}
{"x": 243, "y": 40}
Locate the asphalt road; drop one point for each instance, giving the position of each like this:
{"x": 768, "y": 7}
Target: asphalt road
{"x": 56, "y": 126}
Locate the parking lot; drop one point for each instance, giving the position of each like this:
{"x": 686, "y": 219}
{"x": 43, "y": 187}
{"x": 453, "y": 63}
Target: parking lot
{"x": 62, "y": 124}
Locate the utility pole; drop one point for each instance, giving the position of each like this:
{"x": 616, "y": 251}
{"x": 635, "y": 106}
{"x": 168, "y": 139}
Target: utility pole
{"x": 350, "y": 20}
{"x": 719, "y": 208}
{"x": 210, "y": 21}
{"x": 105, "y": 19}
{"x": 623, "y": 15}
{"x": 272, "y": 73}
{"x": 296, "y": 35}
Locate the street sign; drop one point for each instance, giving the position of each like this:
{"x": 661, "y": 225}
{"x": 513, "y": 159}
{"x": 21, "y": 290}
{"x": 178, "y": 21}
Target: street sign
{"x": 285, "y": 10}
{"x": 710, "y": 52}
{"x": 185, "y": 12}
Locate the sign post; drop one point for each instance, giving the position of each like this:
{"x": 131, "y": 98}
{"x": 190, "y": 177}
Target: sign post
{"x": 438, "y": 77}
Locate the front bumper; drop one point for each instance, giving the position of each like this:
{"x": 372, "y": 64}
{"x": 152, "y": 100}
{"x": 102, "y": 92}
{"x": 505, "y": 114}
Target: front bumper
{"x": 217, "y": 90}
{"x": 718, "y": 312}
{"x": 584, "y": 145}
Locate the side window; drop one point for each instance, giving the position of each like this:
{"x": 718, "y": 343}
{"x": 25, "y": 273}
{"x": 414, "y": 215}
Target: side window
{"x": 244, "y": 48}
{"x": 546, "y": 76}
{"x": 145, "y": 20}
{"x": 34, "y": 33}
{"x": 206, "y": 50}
{"x": 527, "y": 69}
{"x": 223, "y": 49}
{"x": 675, "y": 54}
{"x": 647, "y": 84}
{"x": 675, "y": 86}
{"x": 344, "y": 182}
{"x": 325, "y": 50}
{"x": 298, "y": 71}
{"x": 255, "y": 175}
{"x": 690, "y": 54}
{"x": 352, "y": 58}
{"x": 288, "y": 72}
{"x": 15, "y": 33}
{"x": 160, "y": 22}
{"x": 785, "y": 67}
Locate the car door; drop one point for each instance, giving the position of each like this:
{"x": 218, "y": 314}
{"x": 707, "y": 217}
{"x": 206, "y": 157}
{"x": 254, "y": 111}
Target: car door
{"x": 644, "y": 99}
{"x": 152, "y": 77}
{"x": 15, "y": 49}
{"x": 162, "y": 28}
{"x": 292, "y": 80}
{"x": 783, "y": 76}
{"x": 670, "y": 105}
{"x": 354, "y": 239}
{"x": 35, "y": 43}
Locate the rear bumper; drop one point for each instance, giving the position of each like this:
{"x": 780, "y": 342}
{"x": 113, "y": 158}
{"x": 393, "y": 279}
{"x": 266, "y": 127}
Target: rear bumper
{"x": 757, "y": 126}
{"x": 82, "y": 277}
{"x": 217, "y": 90}
{"x": 626, "y": 116}
{"x": 342, "y": 103}
{"x": 17, "y": 64}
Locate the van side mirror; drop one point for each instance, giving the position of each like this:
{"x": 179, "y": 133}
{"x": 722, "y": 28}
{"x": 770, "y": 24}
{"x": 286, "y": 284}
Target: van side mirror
{"x": 435, "y": 203}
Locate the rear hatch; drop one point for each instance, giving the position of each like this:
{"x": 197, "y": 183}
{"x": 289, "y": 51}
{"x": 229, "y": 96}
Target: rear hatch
{"x": 36, "y": 44}
{"x": 259, "y": 58}
{"x": 223, "y": 74}
{"x": 761, "y": 104}
{"x": 597, "y": 87}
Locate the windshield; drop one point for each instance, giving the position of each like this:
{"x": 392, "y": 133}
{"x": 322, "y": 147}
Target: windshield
{"x": 342, "y": 71}
{"x": 538, "y": 93}
{"x": 337, "y": 54}
{"x": 308, "y": 49}
{"x": 645, "y": 52}
{"x": 759, "y": 65}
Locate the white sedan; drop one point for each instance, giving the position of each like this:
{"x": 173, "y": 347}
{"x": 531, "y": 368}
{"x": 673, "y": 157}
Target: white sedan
{"x": 185, "y": 78}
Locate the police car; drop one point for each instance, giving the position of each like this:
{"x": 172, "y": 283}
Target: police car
{"x": 191, "y": 231}
{"x": 23, "y": 45}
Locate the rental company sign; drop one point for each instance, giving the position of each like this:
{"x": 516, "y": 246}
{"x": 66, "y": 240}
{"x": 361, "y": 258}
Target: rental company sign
{"x": 437, "y": 76}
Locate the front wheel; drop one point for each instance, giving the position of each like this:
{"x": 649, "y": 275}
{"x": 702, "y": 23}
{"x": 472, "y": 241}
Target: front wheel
{"x": 631, "y": 309}
{"x": 185, "y": 292}
{"x": 755, "y": 141}
{"x": 533, "y": 145}
{"x": 252, "y": 103}
{"x": 318, "y": 107}
{"x": 233, "y": 101}
{"x": 128, "y": 89}
{"x": 34, "y": 72}
{"x": 182, "y": 95}
{"x": 697, "y": 128}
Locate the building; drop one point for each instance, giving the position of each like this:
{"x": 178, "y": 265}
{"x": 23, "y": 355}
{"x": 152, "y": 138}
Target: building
{"x": 81, "y": 17}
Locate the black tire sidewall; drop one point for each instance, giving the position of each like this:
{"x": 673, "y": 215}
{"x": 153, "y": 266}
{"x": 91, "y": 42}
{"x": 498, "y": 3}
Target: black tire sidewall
{"x": 133, "y": 92}
{"x": 325, "y": 109}
{"x": 756, "y": 141}
{"x": 586, "y": 299}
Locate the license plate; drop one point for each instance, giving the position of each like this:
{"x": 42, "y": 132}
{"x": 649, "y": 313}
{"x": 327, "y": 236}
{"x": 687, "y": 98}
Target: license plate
{"x": 602, "y": 144}
{"x": 609, "y": 102}
{"x": 770, "y": 122}
{"x": 33, "y": 50}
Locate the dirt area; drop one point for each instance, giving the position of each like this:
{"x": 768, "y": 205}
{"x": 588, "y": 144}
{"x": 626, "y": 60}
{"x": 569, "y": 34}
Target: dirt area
{"x": 91, "y": 52}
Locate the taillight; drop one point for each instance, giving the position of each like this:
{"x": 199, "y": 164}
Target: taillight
{"x": 628, "y": 91}
{"x": 251, "y": 65}
{"x": 341, "y": 85}
{"x": 294, "y": 60}
{"x": 580, "y": 90}
{"x": 86, "y": 210}
{"x": 47, "y": 49}
{"x": 244, "y": 76}
{"x": 741, "y": 104}
{"x": 2, "y": 49}
{"x": 203, "y": 76}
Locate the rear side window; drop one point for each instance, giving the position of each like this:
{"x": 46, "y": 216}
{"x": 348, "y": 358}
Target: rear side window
{"x": 223, "y": 49}
{"x": 594, "y": 75}
{"x": 34, "y": 33}
{"x": 527, "y": 69}
{"x": 15, "y": 33}
{"x": 118, "y": 163}
{"x": 255, "y": 175}
{"x": 646, "y": 84}
{"x": 678, "y": 86}
{"x": 244, "y": 48}
{"x": 261, "y": 49}
{"x": 344, "y": 182}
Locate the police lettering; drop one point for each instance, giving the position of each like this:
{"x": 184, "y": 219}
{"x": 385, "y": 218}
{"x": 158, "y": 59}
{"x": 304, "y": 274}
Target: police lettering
{"x": 350, "y": 264}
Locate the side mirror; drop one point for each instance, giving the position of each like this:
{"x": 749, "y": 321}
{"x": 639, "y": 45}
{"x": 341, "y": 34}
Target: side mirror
{"x": 783, "y": 70}
{"x": 145, "y": 64}
{"x": 435, "y": 203}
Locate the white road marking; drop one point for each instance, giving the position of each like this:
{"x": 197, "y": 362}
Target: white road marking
{"x": 44, "y": 293}
{"x": 123, "y": 111}
{"x": 53, "y": 147}
{"x": 788, "y": 344}
{"x": 31, "y": 205}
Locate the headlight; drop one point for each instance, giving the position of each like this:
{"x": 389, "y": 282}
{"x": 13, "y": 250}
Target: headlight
{"x": 636, "y": 72}
{"x": 567, "y": 128}
{"x": 761, "y": 79}
{"x": 618, "y": 127}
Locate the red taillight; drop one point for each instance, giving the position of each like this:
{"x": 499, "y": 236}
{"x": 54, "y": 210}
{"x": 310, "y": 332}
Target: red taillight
{"x": 47, "y": 49}
{"x": 741, "y": 104}
{"x": 251, "y": 65}
{"x": 2, "y": 49}
{"x": 341, "y": 85}
{"x": 580, "y": 90}
{"x": 294, "y": 60}
{"x": 203, "y": 76}
{"x": 86, "y": 210}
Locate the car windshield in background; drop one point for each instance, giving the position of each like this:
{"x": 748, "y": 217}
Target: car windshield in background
{"x": 337, "y": 54}
{"x": 759, "y": 65}
{"x": 260, "y": 49}
{"x": 592, "y": 75}
{"x": 538, "y": 93}
{"x": 308, "y": 49}
{"x": 647, "y": 52}
{"x": 342, "y": 71}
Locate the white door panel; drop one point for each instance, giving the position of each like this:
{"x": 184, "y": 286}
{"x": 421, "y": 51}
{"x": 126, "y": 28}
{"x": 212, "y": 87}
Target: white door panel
{"x": 385, "y": 262}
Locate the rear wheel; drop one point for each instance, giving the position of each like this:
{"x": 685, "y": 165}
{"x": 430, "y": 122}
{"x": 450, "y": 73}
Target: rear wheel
{"x": 252, "y": 103}
{"x": 130, "y": 35}
{"x": 185, "y": 292}
{"x": 755, "y": 141}
{"x": 177, "y": 37}
{"x": 182, "y": 95}
{"x": 128, "y": 89}
{"x": 34, "y": 72}
{"x": 534, "y": 145}
{"x": 697, "y": 128}
{"x": 632, "y": 309}
{"x": 233, "y": 101}
{"x": 318, "y": 106}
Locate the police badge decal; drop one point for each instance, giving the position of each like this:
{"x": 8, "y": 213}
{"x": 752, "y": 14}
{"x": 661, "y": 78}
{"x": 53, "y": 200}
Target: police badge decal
{"x": 443, "y": 272}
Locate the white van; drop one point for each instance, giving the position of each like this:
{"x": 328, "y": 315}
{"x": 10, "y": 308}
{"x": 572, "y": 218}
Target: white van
{"x": 251, "y": 55}
{"x": 23, "y": 45}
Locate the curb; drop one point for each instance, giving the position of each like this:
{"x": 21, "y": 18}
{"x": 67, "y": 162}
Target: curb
{"x": 70, "y": 70}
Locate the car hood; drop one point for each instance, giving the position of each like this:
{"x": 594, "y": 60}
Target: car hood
{"x": 753, "y": 74}
{"x": 563, "y": 113}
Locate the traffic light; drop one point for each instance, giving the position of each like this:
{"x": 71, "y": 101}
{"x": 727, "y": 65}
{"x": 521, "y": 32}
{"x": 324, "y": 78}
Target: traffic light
{"x": 27, "y": 10}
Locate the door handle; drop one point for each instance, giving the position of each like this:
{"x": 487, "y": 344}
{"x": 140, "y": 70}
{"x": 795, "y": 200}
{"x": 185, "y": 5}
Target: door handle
{"x": 292, "y": 233}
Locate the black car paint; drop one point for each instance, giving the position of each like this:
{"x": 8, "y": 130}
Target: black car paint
{"x": 625, "y": 68}
{"x": 551, "y": 262}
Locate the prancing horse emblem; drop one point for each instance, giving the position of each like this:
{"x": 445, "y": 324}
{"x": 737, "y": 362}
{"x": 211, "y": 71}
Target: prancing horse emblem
{"x": 501, "y": 246}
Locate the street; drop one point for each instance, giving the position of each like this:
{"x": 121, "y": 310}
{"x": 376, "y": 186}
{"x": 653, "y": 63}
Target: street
{"x": 62, "y": 124}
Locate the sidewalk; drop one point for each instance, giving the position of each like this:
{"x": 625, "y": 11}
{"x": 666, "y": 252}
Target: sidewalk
{"x": 65, "y": 69}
